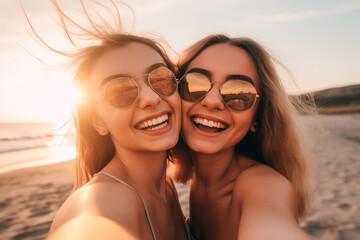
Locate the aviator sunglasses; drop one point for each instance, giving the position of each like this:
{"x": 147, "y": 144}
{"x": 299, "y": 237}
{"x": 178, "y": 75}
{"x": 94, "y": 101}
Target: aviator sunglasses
{"x": 123, "y": 91}
{"x": 238, "y": 94}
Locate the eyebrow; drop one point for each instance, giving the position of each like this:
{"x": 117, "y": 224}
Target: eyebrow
{"x": 148, "y": 70}
{"x": 241, "y": 77}
{"x": 201, "y": 71}
{"x": 230, "y": 77}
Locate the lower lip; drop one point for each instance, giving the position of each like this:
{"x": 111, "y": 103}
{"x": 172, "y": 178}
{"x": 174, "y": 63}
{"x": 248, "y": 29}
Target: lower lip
{"x": 205, "y": 133}
{"x": 158, "y": 131}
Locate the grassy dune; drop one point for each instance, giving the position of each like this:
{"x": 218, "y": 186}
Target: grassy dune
{"x": 336, "y": 100}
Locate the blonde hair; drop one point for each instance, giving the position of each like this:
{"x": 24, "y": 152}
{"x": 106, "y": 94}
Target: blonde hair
{"x": 93, "y": 150}
{"x": 277, "y": 142}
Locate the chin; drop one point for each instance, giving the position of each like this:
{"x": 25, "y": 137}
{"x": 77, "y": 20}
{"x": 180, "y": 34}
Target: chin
{"x": 164, "y": 145}
{"x": 204, "y": 148}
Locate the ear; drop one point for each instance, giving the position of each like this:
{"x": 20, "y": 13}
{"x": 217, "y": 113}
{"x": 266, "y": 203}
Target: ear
{"x": 254, "y": 126}
{"x": 99, "y": 126}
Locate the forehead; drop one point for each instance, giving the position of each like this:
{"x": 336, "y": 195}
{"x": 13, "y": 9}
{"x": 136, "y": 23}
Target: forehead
{"x": 225, "y": 59}
{"x": 131, "y": 59}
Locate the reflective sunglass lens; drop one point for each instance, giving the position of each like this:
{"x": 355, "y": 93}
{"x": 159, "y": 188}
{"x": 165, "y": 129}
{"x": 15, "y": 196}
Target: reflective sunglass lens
{"x": 163, "y": 81}
{"x": 193, "y": 86}
{"x": 121, "y": 92}
{"x": 239, "y": 95}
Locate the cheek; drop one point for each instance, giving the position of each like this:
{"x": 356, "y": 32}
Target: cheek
{"x": 175, "y": 102}
{"x": 244, "y": 120}
{"x": 111, "y": 117}
{"x": 186, "y": 106}
{"x": 102, "y": 113}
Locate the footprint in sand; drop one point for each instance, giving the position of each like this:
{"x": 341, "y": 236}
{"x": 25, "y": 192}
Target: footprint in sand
{"x": 344, "y": 206}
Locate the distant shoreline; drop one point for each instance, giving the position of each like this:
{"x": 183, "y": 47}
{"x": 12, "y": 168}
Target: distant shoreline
{"x": 339, "y": 100}
{"x": 339, "y": 110}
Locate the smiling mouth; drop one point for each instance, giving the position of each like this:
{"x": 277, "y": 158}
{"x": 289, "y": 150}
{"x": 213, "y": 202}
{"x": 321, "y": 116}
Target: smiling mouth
{"x": 209, "y": 125}
{"x": 154, "y": 123}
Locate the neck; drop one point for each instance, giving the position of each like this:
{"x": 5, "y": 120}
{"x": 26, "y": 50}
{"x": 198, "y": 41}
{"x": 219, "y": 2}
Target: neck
{"x": 145, "y": 171}
{"x": 214, "y": 169}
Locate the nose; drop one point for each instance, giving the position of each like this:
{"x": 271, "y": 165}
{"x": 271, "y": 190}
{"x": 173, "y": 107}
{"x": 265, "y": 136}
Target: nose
{"x": 147, "y": 97}
{"x": 213, "y": 99}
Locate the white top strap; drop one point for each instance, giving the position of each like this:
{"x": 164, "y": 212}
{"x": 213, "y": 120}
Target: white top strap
{"x": 124, "y": 183}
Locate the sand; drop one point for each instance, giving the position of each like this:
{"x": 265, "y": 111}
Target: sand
{"x": 336, "y": 208}
{"x": 29, "y": 198}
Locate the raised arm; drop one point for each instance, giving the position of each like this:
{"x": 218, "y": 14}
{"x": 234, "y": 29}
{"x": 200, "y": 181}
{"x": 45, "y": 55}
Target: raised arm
{"x": 101, "y": 208}
{"x": 268, "y": 206}
{"x": 91, "y": 228}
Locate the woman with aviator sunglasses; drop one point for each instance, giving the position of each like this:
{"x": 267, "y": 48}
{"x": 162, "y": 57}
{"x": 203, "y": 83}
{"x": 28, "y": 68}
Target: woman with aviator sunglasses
{"x": 240, "y": 145}
{"x": 127, "y": 120}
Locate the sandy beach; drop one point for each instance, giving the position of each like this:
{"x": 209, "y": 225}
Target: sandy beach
{"x": 30, "y": 197}
{"x": 336, "y": 207}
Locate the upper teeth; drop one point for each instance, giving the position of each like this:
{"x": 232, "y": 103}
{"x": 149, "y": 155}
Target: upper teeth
{"x": 154, "y": 121}
{"x": 209, "y": 123}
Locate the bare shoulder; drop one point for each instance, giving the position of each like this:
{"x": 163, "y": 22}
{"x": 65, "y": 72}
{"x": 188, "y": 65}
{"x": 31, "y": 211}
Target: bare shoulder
{"x": 261, "y": 182}
{"x": 91, "y": 228}
{"x": 111, "y": 200}
{"x": 268, "y": 205}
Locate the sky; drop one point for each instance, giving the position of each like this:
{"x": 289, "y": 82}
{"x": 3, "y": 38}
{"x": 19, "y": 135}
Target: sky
{"x": 317, "y": 40}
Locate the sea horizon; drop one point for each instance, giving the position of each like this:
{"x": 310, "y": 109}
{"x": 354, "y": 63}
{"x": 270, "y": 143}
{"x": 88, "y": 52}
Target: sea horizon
{"x": 25, "y": 144}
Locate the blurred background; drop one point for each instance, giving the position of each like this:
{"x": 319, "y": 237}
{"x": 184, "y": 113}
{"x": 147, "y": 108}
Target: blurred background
{"x": 318, "y": 41}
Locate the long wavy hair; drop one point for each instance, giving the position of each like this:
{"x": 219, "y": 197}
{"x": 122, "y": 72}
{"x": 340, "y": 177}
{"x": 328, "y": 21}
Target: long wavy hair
{"x": 278, "y": 141}
{"x": 93, "y": 150}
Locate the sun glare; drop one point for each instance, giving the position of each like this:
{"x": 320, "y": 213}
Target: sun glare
{"x": 66, "y": 98}
{"x": 49, "y": 100}
{"x": 74, "y": 96}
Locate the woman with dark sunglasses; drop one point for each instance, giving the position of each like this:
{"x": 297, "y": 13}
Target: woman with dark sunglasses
{"x": 240, "y": 146}
{"x": 127, "y": 120}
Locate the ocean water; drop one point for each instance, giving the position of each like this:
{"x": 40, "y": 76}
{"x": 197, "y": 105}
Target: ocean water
{"x": 26, "y": 144}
